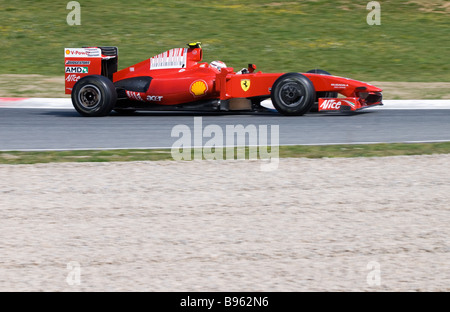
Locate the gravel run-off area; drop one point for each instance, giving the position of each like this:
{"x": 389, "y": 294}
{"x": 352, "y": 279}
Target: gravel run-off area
{"x": 334, "y": 224}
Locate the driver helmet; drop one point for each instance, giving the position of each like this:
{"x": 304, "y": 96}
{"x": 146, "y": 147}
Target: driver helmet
{"x": 217, "y": 65}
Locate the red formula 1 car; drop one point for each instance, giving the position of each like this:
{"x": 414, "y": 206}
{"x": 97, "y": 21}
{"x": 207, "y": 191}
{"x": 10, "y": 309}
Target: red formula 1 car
{"x": 178, "y": 80}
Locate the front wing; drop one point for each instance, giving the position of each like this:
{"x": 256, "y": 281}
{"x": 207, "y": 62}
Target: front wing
{"x": 349, "y": 103}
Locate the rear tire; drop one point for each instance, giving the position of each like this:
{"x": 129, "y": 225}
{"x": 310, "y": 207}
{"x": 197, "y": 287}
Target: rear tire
{"x": 292, "y": 94}
{"x": 321, "y": 94}
{"x": 94, "y": 96}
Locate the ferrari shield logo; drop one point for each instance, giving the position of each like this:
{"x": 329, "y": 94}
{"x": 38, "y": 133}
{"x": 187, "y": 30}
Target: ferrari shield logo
{"x": 245, "y": 84}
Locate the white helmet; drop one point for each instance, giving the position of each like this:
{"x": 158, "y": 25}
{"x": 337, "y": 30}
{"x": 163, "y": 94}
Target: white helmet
{"x": 217, "y": 65}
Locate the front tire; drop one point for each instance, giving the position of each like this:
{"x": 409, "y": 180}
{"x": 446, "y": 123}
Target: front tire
{"x": 292, "y": 94}
{"x": 94, "y": 96}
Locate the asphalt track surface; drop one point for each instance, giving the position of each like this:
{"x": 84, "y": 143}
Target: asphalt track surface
{"x": 59, "y": 129}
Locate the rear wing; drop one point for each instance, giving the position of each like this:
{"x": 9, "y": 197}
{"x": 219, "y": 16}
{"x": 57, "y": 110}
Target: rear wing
{"x": 81, "y": 62}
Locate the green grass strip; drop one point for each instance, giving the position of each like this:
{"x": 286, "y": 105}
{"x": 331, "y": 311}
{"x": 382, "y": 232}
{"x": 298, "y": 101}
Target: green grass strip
{"x": 277, "y": 36}
{"x": 297, "y": 151}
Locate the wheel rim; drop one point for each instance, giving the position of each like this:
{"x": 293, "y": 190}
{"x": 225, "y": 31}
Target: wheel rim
{"x": 89, "y": 97}
{"x": 292, "y": 93}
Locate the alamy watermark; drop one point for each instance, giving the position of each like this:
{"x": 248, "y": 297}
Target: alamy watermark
{"x": 374, "y": 16}
{"x": 374, "y": 276}
{"x": 74, "y": 16}
{"x": 237, "y": 142}
{"x": 74, "y": 276}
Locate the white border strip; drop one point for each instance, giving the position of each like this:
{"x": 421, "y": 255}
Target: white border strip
{"x": 66, "y": 103}
{"x": 50, "y": 103}
{"x": 416, "y": 104}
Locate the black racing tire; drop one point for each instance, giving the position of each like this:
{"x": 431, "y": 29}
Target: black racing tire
{"x": 292, "y": 94}
{"x": 321, "y": 94}
{"x": 94, "y": 96}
